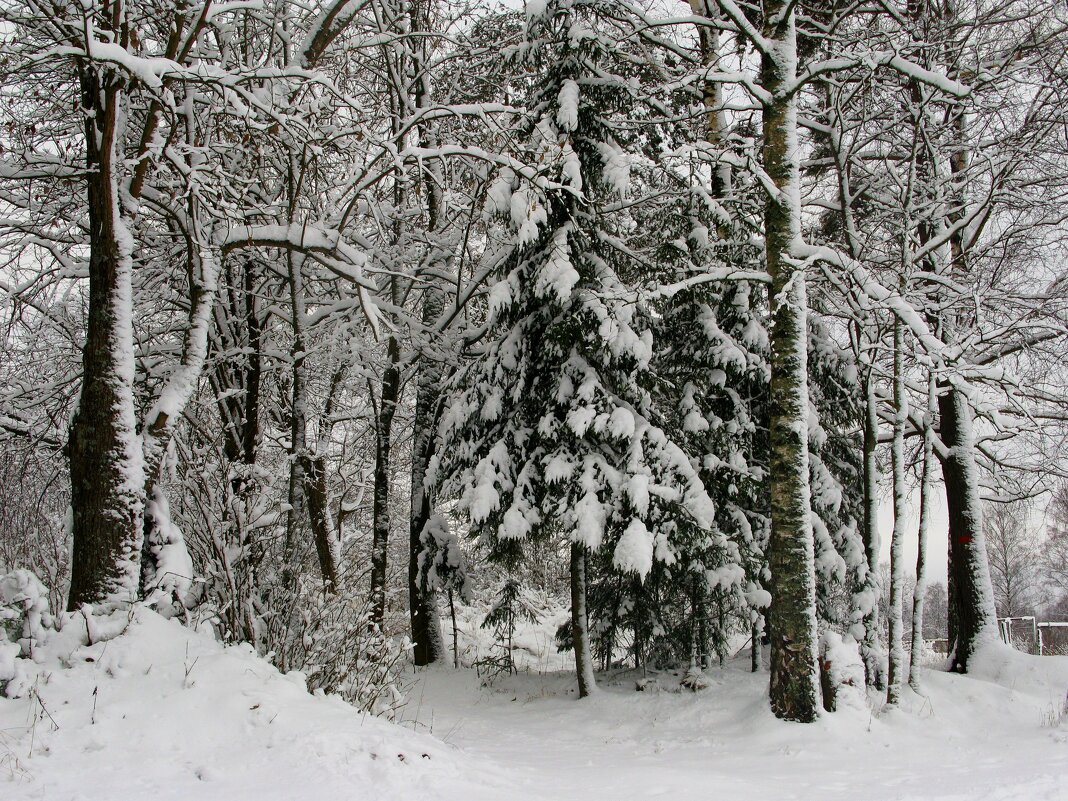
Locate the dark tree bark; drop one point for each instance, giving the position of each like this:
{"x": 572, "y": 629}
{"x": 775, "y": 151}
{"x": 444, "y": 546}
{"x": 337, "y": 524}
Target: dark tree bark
{"x": 754, "y": 653}
{"x": 298, "y": 418}
{"x": 107, "y": 478}
{"x": 426, "y": 632}
{"x": 580, "y": 628}
{"x": 971, "y": 601}
{"x": 318, "y": 500}
{"x": 896, "y": 667}
{"x": 387, "y": 407}
{"x": 236, "y": 384}
{"x": 870, "y": 648}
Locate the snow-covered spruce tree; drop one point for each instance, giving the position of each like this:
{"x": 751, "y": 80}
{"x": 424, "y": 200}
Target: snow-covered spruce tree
{"x": 720, "y": 344}
{"x": 712, "y": 374}
{"x": 835, "y": 473}
{"x": 551, "y": 430}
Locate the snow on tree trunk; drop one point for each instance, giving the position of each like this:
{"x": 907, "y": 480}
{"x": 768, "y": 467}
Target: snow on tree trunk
{"x": 104, "y": 451}
{"x": 387, "y": 407}
{"x": 580, "y": 628}
{"x": 972, "y": 615}
{"x": 971, "y": 597}
{"x": 298, "y": 426}
{"x": 165, "y": 413}
{"x": 425, "y": 630}
{"x": 871, "y": 651}
{"x": 794, "y": 691}
{"x": 895, "y": 677}
{"x": 920, "y": 591}
{"x": 317, "y": 497}
{"x": 427, "y": 642}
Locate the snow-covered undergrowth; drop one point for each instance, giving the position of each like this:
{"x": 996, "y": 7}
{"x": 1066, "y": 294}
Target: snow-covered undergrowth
{"x": 533, "y": 646}
{"x": 164, "y": 712}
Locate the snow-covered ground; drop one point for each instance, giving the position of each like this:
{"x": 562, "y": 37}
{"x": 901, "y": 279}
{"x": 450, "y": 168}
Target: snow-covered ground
{"x": 165, "y": 713}
{"x": 969, "y": 738}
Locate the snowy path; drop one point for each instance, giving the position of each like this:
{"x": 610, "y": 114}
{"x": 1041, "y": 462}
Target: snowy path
{"x": 723, "y": 743}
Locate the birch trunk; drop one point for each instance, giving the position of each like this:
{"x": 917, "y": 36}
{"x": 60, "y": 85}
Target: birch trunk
{"x": 794, "y": 689}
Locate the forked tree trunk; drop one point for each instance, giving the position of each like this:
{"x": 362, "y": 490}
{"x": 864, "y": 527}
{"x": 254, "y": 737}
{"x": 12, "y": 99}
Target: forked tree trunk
{"x": 580, "y": 629}
{"x": 794, "y": 690}
{"x": 104, "y": 451}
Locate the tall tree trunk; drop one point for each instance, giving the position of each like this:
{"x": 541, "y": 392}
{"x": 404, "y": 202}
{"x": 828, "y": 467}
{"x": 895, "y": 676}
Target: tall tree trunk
{"x": 298, "y": 421}
{"x": 895, "y": 678}
{"x": 202, "y": 277}
{"x": 239, "y": 327}
{"x": 163, "y": 417}
{"x": 322, "y": 524}
{"x": 317, "y": 495}
{"x": 794, "y": 690}
{"x": 871, "y": 650}
{"x": 426, "y": 631}
{"x": 920, "y": 592}
{"x": 104, "y": 451}
{"x": 387, "y": 407}
{"x": 580, "y": 628}
{"x": 972, "y": 615}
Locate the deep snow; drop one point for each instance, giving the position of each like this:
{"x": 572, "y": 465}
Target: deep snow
{"x": 163, "y": 712}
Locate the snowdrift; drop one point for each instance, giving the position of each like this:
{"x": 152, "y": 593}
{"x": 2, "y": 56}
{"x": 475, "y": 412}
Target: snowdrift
{"x": 164, "y": 712}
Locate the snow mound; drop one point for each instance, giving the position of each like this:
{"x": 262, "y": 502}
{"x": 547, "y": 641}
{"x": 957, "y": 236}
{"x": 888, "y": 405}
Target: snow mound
{"x": 1039, "y": 676}
{"x": 165, "y": 712}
